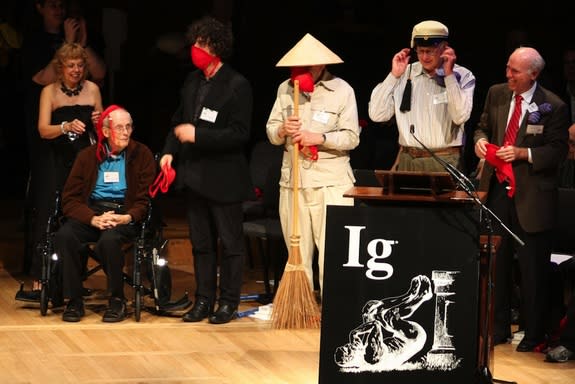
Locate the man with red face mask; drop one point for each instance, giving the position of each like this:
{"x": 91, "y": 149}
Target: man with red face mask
{"x": 326, "y": 128}
{"x": 210, "y": 130}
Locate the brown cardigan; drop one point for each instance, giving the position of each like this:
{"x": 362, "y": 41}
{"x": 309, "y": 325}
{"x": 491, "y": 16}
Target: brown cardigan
{"x": 140, "y": 173}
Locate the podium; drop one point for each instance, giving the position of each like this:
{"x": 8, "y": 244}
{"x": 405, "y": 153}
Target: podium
{"x": 401, "y": 286}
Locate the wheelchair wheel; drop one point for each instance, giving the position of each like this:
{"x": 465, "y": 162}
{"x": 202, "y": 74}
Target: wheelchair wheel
{"x": 45, "y": 285}
{"x": 44, "y": 298}
{"x": 138, "y": 304}
{"x": 163, "y": 285}
{"x": 137, "y": 282}
{"x": 160, "y": 279}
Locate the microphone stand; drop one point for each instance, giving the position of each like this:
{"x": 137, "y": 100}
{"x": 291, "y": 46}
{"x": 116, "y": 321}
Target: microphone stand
{"x": 463, "y": 181}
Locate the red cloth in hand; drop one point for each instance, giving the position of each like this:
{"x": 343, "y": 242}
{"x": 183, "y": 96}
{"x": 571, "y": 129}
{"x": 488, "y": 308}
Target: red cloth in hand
{"x": 163, "y": 180}
{"x": 503, "y": 170}
{"x": 309, "y": 152}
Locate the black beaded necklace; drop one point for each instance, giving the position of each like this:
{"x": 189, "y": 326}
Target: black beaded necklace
{"x": 71, "y": 92}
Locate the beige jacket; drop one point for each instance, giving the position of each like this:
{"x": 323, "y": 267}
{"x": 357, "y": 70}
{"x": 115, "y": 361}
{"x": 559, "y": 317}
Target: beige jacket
{"x": 332, "y": 110}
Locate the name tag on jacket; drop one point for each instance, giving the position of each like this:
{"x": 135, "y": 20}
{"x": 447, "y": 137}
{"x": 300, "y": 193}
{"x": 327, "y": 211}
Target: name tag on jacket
{"x": 208, "y": 115}
{"x": 534, "y": 129}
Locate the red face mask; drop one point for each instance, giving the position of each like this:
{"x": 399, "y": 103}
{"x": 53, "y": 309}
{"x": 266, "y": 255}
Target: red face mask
{"x": 304, "y": 76}
{"x": 203, "y": 59}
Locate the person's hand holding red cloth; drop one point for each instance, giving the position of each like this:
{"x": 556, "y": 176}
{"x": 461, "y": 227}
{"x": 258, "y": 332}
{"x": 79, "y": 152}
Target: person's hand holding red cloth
{"x": 503, "y": 170}
{"x": 163, "y": 181}
{"x": 309, "y": 152}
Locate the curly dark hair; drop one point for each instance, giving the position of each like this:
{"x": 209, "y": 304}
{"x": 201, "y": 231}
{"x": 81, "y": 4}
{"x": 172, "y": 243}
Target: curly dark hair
{"x": 213, "y": 33}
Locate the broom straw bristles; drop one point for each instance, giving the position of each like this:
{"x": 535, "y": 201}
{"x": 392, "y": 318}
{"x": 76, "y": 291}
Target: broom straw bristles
{"x": 294, "y": 305}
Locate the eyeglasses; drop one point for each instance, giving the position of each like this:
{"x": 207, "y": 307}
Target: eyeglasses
{"x": 426, "y": 51}
{"x": 121, "y": 128}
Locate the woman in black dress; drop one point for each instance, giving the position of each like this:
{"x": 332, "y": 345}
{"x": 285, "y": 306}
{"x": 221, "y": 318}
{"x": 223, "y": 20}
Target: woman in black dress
{"x": 68, "y": 109}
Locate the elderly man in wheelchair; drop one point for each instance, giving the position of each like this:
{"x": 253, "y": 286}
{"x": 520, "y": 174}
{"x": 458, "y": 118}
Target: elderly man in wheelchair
{"x": 105, "y": 196}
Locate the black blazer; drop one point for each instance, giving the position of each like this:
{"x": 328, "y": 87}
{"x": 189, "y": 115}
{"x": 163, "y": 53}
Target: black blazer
{"x": 215, "y": 166}
{"x": 536, "y": 183}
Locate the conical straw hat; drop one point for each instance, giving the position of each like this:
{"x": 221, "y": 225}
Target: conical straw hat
{"x": 308, "y": 51}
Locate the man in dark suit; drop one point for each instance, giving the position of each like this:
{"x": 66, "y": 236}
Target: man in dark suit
{"x": 211, "y": 128}
{"x": 520, "y": 175}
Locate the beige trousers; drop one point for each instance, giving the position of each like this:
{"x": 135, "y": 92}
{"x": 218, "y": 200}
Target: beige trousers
{"x": 312, "y": 203}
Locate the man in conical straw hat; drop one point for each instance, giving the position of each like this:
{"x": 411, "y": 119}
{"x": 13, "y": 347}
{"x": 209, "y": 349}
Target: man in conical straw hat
{"x": 326, "y": 128}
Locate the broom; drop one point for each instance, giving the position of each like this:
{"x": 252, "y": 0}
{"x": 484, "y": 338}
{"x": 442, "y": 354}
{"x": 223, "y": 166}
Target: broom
{"x": 294, "y": 304}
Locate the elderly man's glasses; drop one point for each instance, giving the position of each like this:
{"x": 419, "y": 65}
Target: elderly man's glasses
{"x": 121, "y": 128}
{"x": 426, "y": 51}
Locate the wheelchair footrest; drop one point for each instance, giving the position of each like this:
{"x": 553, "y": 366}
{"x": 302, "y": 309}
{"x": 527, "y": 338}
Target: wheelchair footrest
{"x": 180, "y": 304}
{"x": 31, "y": 296}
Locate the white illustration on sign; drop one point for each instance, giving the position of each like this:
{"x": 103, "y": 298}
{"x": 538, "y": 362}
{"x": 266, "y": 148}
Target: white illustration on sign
{"x": 442, "y": 355}
{"x": 387, "y": 340}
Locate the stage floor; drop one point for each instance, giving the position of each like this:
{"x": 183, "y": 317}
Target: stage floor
{"x": 163, "y": 349}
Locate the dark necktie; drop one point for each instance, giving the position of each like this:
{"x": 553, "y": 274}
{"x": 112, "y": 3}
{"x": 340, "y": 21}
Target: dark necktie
{"x": 513, "y": 126}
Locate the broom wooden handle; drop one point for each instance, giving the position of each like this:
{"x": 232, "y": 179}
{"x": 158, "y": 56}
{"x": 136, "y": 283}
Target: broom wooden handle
{"x": 295, "y": 170}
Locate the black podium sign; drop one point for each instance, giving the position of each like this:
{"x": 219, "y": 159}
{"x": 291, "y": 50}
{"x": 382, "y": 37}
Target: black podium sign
{"x": 400, "y": 294}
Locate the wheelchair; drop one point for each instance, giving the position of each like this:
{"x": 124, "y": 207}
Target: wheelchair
{"x": 147, "y": 262}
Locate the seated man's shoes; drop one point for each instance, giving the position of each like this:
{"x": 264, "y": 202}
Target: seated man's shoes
{"x": 199, "y": 311}
{"x": 559, "y": 354}
{"x": 526, "y": 345}
{"x": 74, "y": 310}
{"x": 116, "y": 311}
{"x": 224, "y": 314}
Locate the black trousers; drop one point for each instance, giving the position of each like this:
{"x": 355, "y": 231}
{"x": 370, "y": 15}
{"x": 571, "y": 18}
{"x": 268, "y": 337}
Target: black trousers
{"x": 70, "y": 244}
{"x": 47, "y": 178}
{"x": 40, "y": 204}
{"x": 209, "y": 222}
{"x": 534, "y": 268}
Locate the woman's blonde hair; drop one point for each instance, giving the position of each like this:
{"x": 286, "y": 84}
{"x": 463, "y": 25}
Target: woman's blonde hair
{"x": 70, "y": 51}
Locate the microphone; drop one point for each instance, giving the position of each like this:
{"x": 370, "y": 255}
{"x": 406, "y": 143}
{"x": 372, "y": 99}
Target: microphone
{"x": 461, "y": 179}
